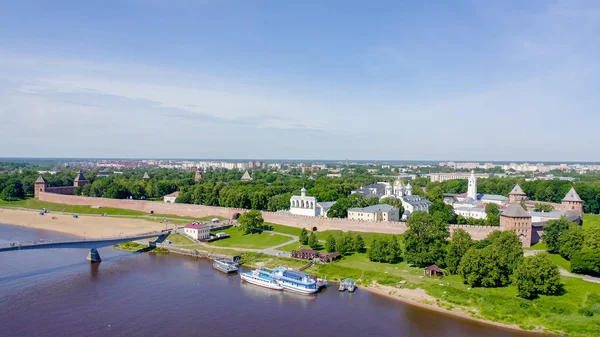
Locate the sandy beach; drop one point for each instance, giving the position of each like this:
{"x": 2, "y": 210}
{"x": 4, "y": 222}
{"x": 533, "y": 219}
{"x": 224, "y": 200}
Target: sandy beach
{"x": 84, "y": 226}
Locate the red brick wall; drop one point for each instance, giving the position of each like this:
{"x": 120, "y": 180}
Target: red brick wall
{"x": 477, "y": 232}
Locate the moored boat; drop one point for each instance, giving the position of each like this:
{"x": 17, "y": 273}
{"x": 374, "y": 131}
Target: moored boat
{"x": 348, "y": 284}
{"x": 225, "y": 265}
{"x": 296, "y": 281}
{"x": 261, "y": 279}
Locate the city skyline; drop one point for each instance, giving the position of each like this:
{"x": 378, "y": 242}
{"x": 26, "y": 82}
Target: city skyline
{"x": 495, "y": 82}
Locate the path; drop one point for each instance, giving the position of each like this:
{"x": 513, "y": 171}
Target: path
{"x": 563, "y": 271}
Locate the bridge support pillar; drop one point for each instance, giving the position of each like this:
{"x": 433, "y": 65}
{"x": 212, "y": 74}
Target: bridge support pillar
{"x": 94, "y": 256}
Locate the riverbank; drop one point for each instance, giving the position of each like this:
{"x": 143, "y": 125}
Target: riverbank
{"x": 89, "y": 227}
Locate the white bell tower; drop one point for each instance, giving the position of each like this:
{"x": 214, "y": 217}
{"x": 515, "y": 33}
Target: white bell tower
{"x": 472, "y": 187}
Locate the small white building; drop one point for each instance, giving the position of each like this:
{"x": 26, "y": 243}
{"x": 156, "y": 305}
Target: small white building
{"x": 308, "y": 206}
{"x": 170, "y": 198}
{"x": 197, "y": 231}
{"x": 381, "y": 212}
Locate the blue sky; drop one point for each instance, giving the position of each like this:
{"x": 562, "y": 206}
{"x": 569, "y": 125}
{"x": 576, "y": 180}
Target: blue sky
{"x": 459, "y": 80}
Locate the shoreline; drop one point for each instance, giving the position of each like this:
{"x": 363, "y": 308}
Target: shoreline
{"x": 79, "y": 227}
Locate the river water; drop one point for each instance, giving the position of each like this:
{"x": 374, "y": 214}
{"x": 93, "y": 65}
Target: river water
{"x": 56, "y": 292}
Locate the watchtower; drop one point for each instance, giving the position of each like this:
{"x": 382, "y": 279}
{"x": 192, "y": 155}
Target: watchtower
{"x": 39, "y": 186}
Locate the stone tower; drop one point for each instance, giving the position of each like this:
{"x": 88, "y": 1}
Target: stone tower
{"x": 516, "y": 219}
{"x": 516, "y": 194}
{"x": 80, "y": 180}
{"x": 146, "y": 177}
{"x": 198, "y": 175}
{"x": 472, "y": 187}
{"x": 572, "y": 202}
{"x": 39, "y": 186}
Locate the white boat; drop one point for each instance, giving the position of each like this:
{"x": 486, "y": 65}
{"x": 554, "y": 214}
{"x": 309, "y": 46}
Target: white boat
{"x": 225, "y": 265}
{"x": 296, "y": 281}
{"x": 261, "y": 279}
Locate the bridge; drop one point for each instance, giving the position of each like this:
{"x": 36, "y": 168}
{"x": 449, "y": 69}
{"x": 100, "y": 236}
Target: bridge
{"x": 91, "y": 244}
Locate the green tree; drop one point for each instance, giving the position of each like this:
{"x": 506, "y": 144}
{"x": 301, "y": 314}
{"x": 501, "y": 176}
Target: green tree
{"x": 425, "y": 240}
{"x": 586, "y": 262}
{"x": 543, "y": 208}
{"x": 251, "y": 222}
{"x": 459, "y": 245}
{"x": 330, "y": 244}
{"x": 303, "y": 236}
{"x": 435, "y": 194}
{"x": 313, "y": 241}
{"x": 553, "y": 230}
{"x": 385, "y": 249}
{"x": 358, "y": 243}
{"x": 537, "y": 275}
{"x": 492, "y": 214}
{"x": 571, "y": 242}
{"x": 344, "y": 244}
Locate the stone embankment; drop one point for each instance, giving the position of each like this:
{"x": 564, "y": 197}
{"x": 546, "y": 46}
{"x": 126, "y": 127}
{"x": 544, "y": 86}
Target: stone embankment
{"x": 198, "y": 211}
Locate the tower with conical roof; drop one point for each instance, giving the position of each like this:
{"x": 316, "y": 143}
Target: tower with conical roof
{"x": 80, "y": 180}
{"x": 516, "y": 219}
{"x": 572, "y": 202}
{"x": 146, "y": 177}
{"x": 198, "y": 175}
{"x": 246, "y": 177}
{"x": 40, "y": 185}
{"x": 516, "y": 194}
{"x": 472, "y": 187}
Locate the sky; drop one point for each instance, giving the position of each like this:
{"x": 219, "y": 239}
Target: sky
{"x": 364, "y": 80}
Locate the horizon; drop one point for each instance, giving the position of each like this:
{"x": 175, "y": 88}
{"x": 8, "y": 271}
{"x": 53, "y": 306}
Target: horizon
{"x": 460, "y": 79}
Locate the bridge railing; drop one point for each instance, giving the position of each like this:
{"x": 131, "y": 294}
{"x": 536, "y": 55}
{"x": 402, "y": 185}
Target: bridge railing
{"x": 45, "y": 242}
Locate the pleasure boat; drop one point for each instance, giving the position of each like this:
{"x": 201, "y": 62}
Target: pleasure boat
{"x": 296, "y": 281}
{"x": 225, "y": 265}
{"x": 261, "y": 279}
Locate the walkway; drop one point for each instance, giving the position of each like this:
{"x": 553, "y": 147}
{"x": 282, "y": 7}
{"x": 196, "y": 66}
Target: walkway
{"x": 563, "y": 271}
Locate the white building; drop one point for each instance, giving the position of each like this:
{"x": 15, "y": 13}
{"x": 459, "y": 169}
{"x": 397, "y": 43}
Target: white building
{"x": 398, "y": 190}
{"x": 308, "y": 206}
{"x": 381, "y": 212}
{"x": 197, "y": 231}
{"x": 170, "y": 198}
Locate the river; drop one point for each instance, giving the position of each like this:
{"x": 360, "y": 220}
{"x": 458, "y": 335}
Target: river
{"x": 56, "y": 292}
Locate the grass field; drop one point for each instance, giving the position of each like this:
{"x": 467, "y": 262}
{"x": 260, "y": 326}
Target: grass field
{"x": 178, "y": 239}
{"x": 52, "y": 207}
{"x": 538, "y": 246}
{"x": 252, "y": 241}
{"x": 561, "y": 261}
{"x": 591, "y": 220}
{"x": 293, "y": 246}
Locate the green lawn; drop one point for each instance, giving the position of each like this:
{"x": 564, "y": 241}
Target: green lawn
{"x": 284, "y": 229}
{"x": 52, "y": 207}
{"x": 179, "y": 239}
{"x": 591, "y": 220}
{"x": 561, "y": 261}
{"x": 293, "y": 246}
{"x": 252, "y": 241}
{"x": 538, "y": 246}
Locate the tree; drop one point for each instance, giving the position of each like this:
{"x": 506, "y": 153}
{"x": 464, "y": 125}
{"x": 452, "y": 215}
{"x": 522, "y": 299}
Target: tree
{"x": 543, "y": 208}
{"x": 553, "y": 230}
{"x": 492, "y": 214}
{"x": 435, "y": 194}
{"x": 251, "y": 222}
{"x": 586, "y": 262}
{"x": 344, "y": 243}
{"x": 491, "y": 262}
{"x": 385, "y": 249}
{"x": 330, "y": 244}
{"x": 358, "y": 243}
{"x": 459, "y": 245}
{"x": 442, "y": 213}
{"x": 303, "y": 236}
{"x": 571, "y": 242}
{"x": 537, "y": 275}
{"x": 313, "y": 242}
{"x": 425, "y": 240}
{"x": 8, "y": 193}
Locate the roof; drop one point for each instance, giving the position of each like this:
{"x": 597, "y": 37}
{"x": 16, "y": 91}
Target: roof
{"x": 572, "y": 196}
{"x": 246, "y": 176}
{"x": 146, "y": 176}
{"x": 326, "y": 204}
{"x": 196, "y": 225}
{"x": 493, "y": 197}
{"x": 374, "y": 208}
{"x": 307, "y": 251}
{"x": 517, "y": 191}
{"x": 80, "y": 176}
{"x": 515, "y": 211}
{"x": 174, "y": 194}
{"x": 433, "y": 267}
{"x": 40, "y": 179}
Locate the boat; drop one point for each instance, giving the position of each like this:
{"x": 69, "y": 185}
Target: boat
{"x": 295, "y": 281}
{"x": 342, "y": 287}
{"x": 350, "y": 285}
{"x": 225, "y": 265}
{"x": 261, "y": 279}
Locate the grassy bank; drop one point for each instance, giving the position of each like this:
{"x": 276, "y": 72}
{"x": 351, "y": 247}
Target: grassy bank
{"x": 252, "y": 241}
{"x": 136, "y": 247}
{"x": 591, "y": 220}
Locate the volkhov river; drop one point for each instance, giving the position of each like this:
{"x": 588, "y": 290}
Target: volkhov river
{"x": 57, "y": 293}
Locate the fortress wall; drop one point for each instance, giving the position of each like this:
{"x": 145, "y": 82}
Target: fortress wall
{"x": 477, "y": 232}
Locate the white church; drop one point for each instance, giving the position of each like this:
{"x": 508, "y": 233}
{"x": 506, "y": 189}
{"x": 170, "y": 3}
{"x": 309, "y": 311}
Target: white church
{"x": 309, "y": 206}
{"x": 382, "y": 190}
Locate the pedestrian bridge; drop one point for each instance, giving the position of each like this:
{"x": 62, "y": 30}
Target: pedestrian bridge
{"x": 91, "y": 244}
